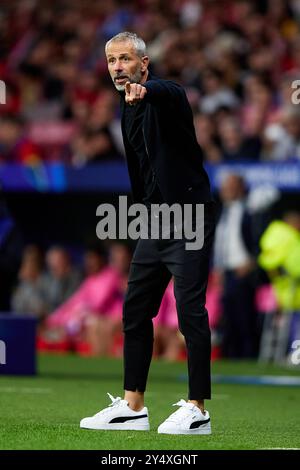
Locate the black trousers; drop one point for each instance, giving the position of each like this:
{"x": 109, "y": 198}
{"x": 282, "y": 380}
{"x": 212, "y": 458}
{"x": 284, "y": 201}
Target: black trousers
{"x": 153, "y": 264}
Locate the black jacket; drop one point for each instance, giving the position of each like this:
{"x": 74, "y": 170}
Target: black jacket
{"x": 174, "y": 153}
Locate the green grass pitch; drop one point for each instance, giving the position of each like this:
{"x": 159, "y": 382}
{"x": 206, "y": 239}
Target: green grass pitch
{"x": 43, "y": 412}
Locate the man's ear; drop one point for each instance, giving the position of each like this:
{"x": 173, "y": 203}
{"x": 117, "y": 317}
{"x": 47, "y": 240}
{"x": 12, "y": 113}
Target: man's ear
{"x": 145, "y": 63}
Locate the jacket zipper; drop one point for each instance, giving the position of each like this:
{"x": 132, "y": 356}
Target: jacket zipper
{"x": 147, "y": 152}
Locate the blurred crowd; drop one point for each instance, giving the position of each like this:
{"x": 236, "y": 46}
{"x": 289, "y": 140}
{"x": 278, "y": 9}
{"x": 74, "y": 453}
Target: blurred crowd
{"x": 78, "y": 306}
{"x": 253, "y": 294}
{"x": 237, "y": 60}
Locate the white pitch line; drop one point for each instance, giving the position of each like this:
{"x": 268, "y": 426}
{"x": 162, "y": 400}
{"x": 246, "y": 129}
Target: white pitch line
{"x": 279, "y": 448}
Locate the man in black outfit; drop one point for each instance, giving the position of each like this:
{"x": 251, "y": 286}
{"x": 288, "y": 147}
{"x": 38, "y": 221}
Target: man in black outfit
{"x": 165, "y": 166}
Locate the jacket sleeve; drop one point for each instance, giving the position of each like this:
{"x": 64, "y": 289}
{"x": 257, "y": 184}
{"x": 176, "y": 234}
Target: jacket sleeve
{"x": 161, "y": 90}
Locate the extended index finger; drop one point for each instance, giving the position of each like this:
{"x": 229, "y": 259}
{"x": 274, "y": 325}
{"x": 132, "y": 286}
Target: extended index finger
{"x": 127, "y": 88}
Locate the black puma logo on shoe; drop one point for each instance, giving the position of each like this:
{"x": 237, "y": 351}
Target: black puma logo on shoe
{"x": 197, "y": 424}
{"x": 123, "y": 419}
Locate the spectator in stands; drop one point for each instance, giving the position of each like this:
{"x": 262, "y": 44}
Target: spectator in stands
{"x": 207, "y": 138}
{"x": 276, "y": 144}
{"x": 98, "y": 296}
{"x": 29, "y": 297}
{"x": 15, "y": 146}
{"x": 120, "y": 255}
{"x": 62, "y": 279}
{"x": 282, "y": 139}
{"x": 102, "y": 330}
{"x": 53, "y": 62}
{"x": 291, "y": 125}
{"x": 216, "y": 94}
{"x": 234, "y": 145}
{"x": 92, "y": 146}
{"x": 95, "y": 259}
{"x": 95, "y": 142}
{"x": 280, "y": 257}
{"x": 258, "y": 108}
{"x": 235, "y": 264}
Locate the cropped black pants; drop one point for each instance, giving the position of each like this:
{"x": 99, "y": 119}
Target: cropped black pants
{"x": 153, "y": 264}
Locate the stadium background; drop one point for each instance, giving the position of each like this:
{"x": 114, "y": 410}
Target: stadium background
{"x": 61, "y": 156}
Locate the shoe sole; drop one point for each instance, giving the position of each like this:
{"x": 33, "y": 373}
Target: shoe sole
{"x": 188, "y": 431}
{"x": 118, "y": 427}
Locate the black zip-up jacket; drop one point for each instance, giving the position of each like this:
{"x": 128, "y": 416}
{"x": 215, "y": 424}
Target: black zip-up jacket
{"x": 171, "y": 145}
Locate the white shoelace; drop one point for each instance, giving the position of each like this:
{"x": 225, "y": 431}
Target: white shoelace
{"x": 181, "y": 403}
{"x": 181, "y": 412}
{"x": 114, "y": 402}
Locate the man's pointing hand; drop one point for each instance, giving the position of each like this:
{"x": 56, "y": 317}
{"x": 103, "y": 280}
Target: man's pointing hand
{"x": 134, "y": 92}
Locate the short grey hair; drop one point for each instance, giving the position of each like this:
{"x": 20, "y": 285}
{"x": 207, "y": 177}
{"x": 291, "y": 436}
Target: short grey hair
{"x": 137, "y": 42}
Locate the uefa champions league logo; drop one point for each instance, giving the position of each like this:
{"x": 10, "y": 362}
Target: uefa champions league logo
{"x": 2, "y": 92}
{"x": 2, "y": 352}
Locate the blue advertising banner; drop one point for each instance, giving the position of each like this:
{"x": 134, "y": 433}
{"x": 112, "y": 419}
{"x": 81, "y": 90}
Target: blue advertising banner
{"x": 113, "y": 176}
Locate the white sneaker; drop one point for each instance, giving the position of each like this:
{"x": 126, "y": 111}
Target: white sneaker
{"x": 118, "y": 416}
{"x": 187, "y": 420}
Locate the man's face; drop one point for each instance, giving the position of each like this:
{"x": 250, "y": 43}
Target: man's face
{"x": 125, "y": 65}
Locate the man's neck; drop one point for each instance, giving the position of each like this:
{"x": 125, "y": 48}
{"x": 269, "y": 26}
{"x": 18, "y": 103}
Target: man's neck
{"x": 144, "y": 77}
